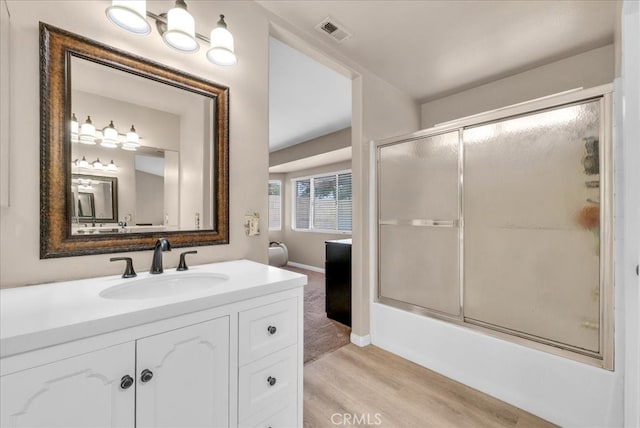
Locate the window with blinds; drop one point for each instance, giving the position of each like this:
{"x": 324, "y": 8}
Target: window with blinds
{"x": 323, "y": 202}
{"x": 275, "y": 204}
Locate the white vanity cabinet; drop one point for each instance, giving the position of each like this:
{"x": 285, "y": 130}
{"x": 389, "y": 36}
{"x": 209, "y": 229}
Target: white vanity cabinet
{"x": 175, "y": 379}
{"x": 82, "y": 391}
{"x": 183, "y": 377}
{"x": 222, "y": 360}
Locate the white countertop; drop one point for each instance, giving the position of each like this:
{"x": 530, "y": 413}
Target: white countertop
{"x": 37, "y": 316}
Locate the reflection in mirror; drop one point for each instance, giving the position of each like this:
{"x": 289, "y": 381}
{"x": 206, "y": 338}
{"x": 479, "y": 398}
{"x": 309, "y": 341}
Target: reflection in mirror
{"x": 107, "y": 113}
{"x": 94, "y": 203}
{"x": 174, "y": 134}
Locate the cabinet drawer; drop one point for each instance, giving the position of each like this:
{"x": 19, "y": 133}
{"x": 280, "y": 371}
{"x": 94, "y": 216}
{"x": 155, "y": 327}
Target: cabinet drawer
{"x": 269, "y": 383}
{"x": 267, "y": 329}
{"x": 281, "y": 418}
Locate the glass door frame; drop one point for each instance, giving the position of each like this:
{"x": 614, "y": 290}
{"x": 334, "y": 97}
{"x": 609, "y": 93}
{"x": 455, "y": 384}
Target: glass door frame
{"x": 604, "y": 358}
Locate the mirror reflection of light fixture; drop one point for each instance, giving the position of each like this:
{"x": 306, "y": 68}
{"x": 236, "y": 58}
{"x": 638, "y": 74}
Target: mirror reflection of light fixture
{"x": 109, "y": 136}
{"x": 96, "y": 164}
{"x": 81, "y": 163}
{"x": 177, "y": 28}
{"x": 87, "y": 132}
{"x": 112, "y": 166}
{"x": 133, "y": 140}
{"x": 130, "y": 15}
{"x": 221, "y": 51}
{"x": 75, "y": 127}
{"x": 181, "y": 29}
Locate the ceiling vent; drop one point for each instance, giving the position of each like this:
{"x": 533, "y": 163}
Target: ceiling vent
{"x": 333, "y": 29}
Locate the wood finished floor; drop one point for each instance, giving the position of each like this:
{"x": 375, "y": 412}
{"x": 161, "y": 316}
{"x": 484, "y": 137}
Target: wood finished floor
{"x": 369, "y": 381}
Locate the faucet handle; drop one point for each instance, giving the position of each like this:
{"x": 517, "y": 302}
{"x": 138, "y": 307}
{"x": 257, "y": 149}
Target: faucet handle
{"x": 128, "y": 271}
{"x": 183, "y": 263}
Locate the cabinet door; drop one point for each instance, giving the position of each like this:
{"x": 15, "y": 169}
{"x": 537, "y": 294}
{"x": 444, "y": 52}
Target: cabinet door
{"x": 186, "y": 383}
{"x": 83, "y": 391}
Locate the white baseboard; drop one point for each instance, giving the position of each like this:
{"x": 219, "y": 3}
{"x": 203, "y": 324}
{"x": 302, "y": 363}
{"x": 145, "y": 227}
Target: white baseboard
{"x": 307, "y": 267}
{"x": 360, "y": 341}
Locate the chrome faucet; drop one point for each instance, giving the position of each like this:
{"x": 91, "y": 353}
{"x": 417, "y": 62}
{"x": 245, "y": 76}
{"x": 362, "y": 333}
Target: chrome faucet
{"x": 162, "y": 244}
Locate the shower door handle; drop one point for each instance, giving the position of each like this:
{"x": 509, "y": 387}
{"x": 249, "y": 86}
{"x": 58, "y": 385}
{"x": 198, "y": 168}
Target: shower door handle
{"x": 419, "y": 222}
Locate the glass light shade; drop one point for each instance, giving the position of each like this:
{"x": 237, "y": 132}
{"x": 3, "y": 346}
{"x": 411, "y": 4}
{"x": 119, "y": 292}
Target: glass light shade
{"x": 130, "y": 15}
{"x": 75, "y": 127}
{"x": 222, "y": 49}
{"x": 87, "y": 132}
{"x": 96, "y": 164}
{"x": 112, "y": 166}
{"x": 82, "y": 163}
{"x": 181, "y": 30}
{"x": 133, "y": 140}
{"x": 109, "y": 136}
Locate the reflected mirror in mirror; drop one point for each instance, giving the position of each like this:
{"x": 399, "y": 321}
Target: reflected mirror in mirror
{"x": 165, "y": 170}
{"x": 95, "y": 203}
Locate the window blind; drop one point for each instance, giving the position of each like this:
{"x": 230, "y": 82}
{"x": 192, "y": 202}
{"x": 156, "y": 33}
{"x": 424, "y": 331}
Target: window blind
{"x": 323, "y": 202}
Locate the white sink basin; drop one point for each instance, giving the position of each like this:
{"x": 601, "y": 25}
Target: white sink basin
{"x": 163, "y": 285}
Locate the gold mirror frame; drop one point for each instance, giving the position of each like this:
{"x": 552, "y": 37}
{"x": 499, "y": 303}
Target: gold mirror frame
{"x": 57, "y": 46}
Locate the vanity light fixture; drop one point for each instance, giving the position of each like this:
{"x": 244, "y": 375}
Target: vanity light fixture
{"x": 221, "y": 50}
{"x": 181, "y": 29}
{"x": 81, "y": 163}
{"x": 133, "y": 140}
{"x": 96, "y": 164}
{"x": 75, "y": 126}
{"x": 109, "y": 136}
{"x": 177, "y": 28}
{"x": 130, "y": 15}
{"x": 87, "y": 132}
{"x": 112, "y": 166}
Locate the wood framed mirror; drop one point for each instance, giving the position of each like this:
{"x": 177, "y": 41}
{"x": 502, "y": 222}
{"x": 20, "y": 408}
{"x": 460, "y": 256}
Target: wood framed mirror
{"x": 173, "y": 174}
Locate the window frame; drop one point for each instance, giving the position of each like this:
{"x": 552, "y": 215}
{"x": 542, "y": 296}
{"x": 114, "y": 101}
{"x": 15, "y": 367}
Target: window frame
{"x": 312, "y": 229}
{"x": 279, "y": 228}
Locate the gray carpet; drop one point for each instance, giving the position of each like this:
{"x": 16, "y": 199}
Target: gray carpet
{"x": 321, "y": 334}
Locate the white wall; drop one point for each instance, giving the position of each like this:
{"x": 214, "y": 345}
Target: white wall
{"x": 248, "y": 82}
{"x": 5, "y": 36}
{"x": 628, "y": 208}
{"x": 589, "y": 69}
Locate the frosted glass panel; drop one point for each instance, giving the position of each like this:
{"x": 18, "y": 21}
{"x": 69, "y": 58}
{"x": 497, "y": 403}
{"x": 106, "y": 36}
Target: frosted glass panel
{"x": 419, "y": 265}
{"x": 531, "y": 207}
{"x": 419, "y": 179}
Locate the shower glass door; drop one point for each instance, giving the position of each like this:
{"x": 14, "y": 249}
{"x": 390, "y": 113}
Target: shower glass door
{"x": 418, "y": 233}
{"x": 532, "y": 225}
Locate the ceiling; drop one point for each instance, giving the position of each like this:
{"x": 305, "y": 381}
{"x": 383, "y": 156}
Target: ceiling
{"x": 434, "y": 48}
{"x": 306, "y": 99}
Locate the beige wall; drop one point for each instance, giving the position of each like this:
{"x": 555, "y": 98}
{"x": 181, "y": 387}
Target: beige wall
{"x": 592, "y": 68}
{"x": 248, "y": 82}
{"x": 304, "y": 247}
{"x": 326, "y": 143}
{"x": 149, "y": 198}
